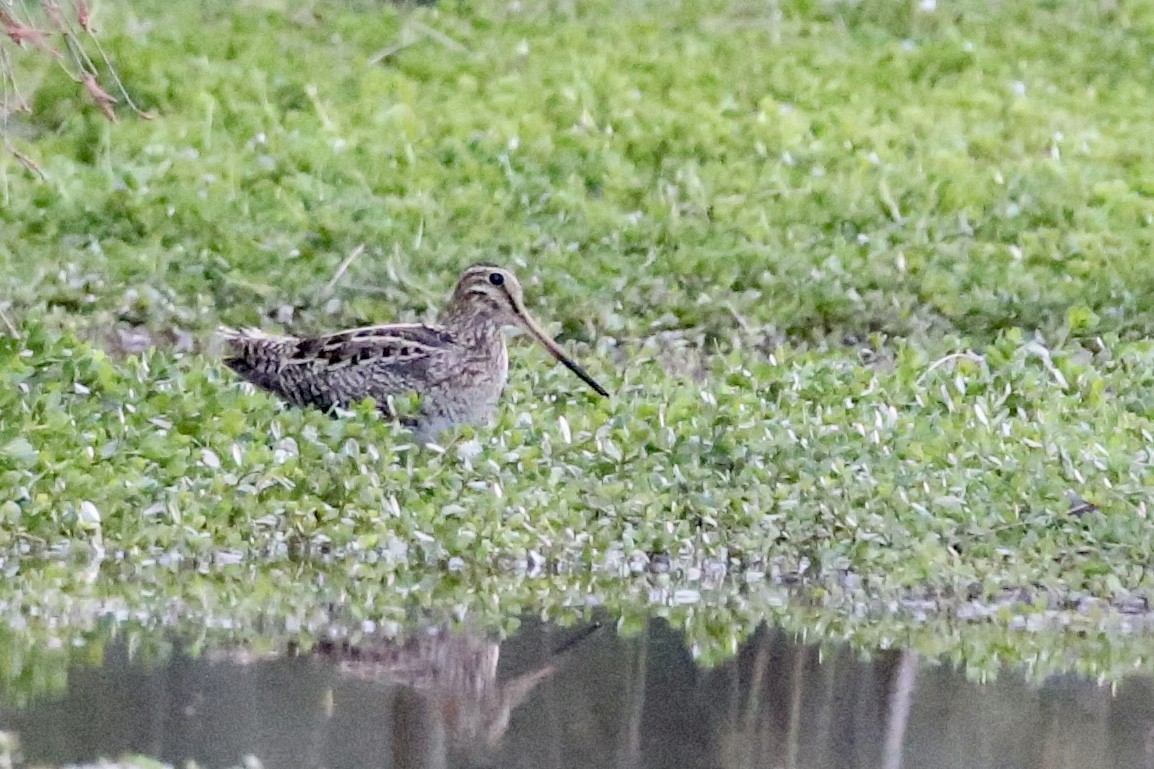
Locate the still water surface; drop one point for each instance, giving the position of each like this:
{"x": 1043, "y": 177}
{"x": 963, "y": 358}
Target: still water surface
{"x": 579, "y": 697}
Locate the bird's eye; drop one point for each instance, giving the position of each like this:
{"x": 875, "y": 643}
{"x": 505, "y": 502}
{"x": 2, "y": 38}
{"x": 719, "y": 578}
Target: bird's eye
{"x": 496, "y": 278}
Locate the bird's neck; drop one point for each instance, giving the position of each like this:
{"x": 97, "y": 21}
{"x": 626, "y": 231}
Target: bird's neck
{"x": 479, "y": 332}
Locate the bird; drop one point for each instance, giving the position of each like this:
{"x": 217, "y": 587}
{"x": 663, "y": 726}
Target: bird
{"x": 457, "y": 367}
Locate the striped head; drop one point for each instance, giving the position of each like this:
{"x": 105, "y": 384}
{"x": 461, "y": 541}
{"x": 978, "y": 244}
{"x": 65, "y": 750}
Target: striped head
{"x": 490, "y": 292}
{"x": 486, "y": 292}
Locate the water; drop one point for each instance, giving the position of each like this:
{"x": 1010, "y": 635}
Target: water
{"x": 577, "y": 697}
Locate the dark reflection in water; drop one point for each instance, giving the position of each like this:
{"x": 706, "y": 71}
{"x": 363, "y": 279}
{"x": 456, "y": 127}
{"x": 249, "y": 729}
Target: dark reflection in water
{"x": 577, "y": 698}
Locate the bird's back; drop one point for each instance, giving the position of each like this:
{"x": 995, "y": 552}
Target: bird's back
{"x": 340, "y": 369}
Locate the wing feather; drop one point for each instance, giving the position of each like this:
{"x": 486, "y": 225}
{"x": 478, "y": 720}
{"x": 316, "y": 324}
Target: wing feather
{"x": 380, "y": 345}
{"x": 341, "y": 368}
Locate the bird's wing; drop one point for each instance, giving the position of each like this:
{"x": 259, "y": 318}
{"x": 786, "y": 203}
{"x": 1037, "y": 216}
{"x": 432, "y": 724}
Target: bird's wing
{"x": 340, "y": 368}
{"x": 393, "y": 345}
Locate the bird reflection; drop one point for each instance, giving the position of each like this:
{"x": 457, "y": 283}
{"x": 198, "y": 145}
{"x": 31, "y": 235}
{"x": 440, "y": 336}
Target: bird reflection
{"x": 448, "y": 698}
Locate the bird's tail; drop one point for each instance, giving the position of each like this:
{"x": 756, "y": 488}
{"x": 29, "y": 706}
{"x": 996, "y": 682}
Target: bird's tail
{"x": 249, "y": 351}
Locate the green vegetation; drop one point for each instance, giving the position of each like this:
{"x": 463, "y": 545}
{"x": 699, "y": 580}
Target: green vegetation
{"x": 868, "y": 283}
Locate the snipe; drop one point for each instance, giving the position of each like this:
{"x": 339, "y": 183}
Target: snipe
{"x": 457, "y": 367}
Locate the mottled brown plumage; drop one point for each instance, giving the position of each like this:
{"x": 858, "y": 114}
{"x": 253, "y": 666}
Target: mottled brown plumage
{"x": 457, "y": 367}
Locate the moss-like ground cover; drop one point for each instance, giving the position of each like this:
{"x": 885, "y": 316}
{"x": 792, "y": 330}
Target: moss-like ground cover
{"x": 868, "y": 281}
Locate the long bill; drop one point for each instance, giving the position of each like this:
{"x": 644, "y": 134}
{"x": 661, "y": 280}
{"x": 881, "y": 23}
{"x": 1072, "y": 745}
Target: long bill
{"x": 556, "y": 351}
